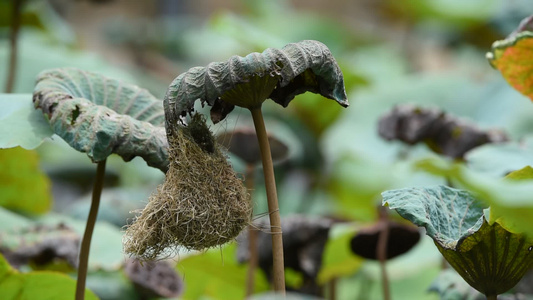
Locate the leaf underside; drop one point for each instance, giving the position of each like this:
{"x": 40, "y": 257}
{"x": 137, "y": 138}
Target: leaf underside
{"x": 298, "y": 67}
{"x": 100, "y": 116}
{"x": 492, "y": 260}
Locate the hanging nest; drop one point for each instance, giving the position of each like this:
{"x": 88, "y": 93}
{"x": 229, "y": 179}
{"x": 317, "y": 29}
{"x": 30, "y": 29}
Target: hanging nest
{"x": 201, "y": 204}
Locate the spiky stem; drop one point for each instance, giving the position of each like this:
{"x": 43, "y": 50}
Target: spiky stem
{"x": 272, "y": 198}
{"x": 89, "y": 227}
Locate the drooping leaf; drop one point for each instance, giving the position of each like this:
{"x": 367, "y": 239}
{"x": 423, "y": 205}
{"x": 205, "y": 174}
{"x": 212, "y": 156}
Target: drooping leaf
{"x": 216, "y": 273}
{"x": 248, "y": 81}
{"x": 100, "y": 116}
{"x": 40, "y": 245}
{"x": 20, "y": 124}
{"x": 448, "y": 214}
{"x": 23, "y": 186}
{"x": 442, "y": 132}
{"x": 492, "y": 260}
{"x": 512, "y": 57}
{"x": 36, "y": 285}
{"x": 106, "y": 246}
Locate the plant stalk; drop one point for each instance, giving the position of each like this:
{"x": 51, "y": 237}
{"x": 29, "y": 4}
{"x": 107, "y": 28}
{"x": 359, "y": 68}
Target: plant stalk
{"x": 15, "y": 26}
{"x": 253, "y": 261}
{"x": 492, "y": 297}
{"x": 381, "y": 253}
{"x": 272, "y": 198}
{"x": 89, "y": 228}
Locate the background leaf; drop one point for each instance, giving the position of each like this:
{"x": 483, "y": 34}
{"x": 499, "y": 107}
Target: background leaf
{"x": 20, "y": 124}
{"x": 512, "y": 57}
{"x": 23, "y": 186}
{"x": 216, "y": 273}
{"x": 36, "y": 285}
{"x": 338, "y": 260}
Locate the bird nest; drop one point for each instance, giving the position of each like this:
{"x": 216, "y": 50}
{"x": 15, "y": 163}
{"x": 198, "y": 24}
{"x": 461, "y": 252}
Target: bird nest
{"x": 201, "y": 204}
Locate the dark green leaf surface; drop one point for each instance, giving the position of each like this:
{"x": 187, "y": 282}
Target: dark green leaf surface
{"x": 20, "y": 124}
{"x": 276, "y": 74}
{"x": 36, "y": 285}
{"x": 101, "y": 116}
{"x": 448, "y": 214}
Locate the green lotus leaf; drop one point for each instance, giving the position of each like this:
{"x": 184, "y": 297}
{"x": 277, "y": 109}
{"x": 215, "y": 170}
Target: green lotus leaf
{"x": 23, "y": 186}
{"x": 512, "y": 57}
{"x": 448, "y": 214}
{"x": 490, "y": 258}
{"x": 20, "y": 124}
{"x": 247, "y": 81}
{"x": 100, "y": 116}
{"x": 510, "y": 200}
{"x": 36, "y": 285}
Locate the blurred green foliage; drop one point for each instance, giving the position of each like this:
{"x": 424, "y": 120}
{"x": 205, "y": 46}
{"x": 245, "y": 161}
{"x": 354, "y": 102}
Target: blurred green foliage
{"x": 339, "y": 164}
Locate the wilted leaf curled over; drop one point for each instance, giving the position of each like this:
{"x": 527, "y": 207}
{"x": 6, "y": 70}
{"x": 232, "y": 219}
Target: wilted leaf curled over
{"x": 40, "y": 244}
{"x": 513, "y": 57}
{"x": 201, "y": 204}
{"x": 100, "y": 116}
{"x": 278, "y": 74}
{"x": 442, "y": 132}
{"x": 154, "y": 279}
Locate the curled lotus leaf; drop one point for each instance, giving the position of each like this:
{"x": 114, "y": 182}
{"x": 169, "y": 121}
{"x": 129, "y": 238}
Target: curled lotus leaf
{"x": 100, "y": 116}
{"x": 489, "y": 257}
{"x": 278, "y": 74}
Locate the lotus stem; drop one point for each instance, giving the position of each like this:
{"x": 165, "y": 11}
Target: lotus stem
{"x": 492, "y": 297}
{"x": 89, "y": 228}
{"x": 332, "y": 289}
{"x": 272, "y": 198}
{"x": 15, "y": 26}
{"x": 381, "y": 252}
{"x": 253, "y": 261}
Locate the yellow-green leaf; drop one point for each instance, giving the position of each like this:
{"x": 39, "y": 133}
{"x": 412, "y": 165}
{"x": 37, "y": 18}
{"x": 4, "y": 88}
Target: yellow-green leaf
{"x": 23, "y": 186}
{"x": 36, "y": 285}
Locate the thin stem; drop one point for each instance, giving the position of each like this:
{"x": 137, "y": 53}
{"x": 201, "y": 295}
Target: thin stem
{"x": 272, "y": 198}
{"x": 381, "y": 253}
{"x": 332, "y": 289}
{"x": 252, "y": 237}
{"x": 492, "y": 297}
{"x": 15, "y": 26}
{"x": 91, "y": 220}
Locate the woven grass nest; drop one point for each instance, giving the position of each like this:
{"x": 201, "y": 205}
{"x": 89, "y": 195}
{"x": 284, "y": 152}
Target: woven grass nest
{"x": 201, "y": 204}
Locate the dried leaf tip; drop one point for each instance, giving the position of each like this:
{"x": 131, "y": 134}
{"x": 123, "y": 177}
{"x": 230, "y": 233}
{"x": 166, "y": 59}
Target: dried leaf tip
{"x": 278, "y": 74}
